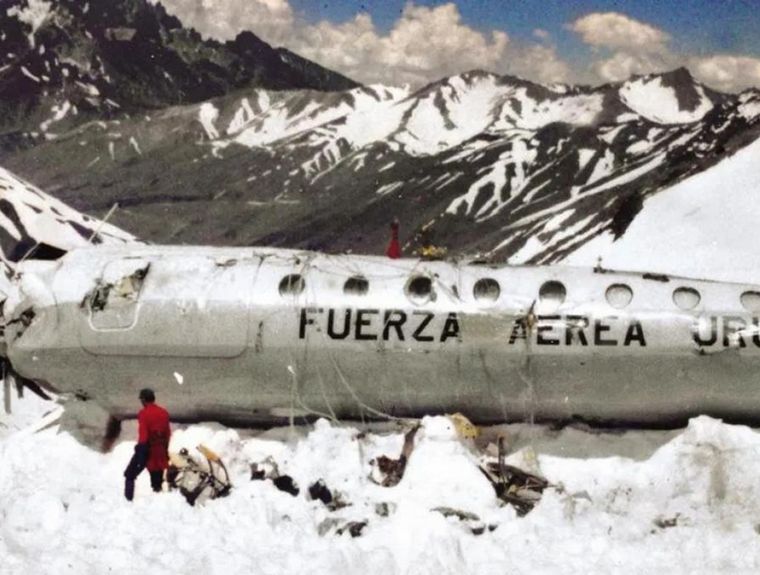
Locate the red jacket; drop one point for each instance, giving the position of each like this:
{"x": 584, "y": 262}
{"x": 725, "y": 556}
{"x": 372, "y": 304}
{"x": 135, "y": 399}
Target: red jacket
{"x": 153, "y": 430}
{"x": 393, "y": 250}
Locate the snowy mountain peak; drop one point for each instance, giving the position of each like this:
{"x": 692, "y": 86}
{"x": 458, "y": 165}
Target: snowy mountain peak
{"x": 670, "y": 98}
{"x": 32, "y": 223}
{"x": 104, "y": 57}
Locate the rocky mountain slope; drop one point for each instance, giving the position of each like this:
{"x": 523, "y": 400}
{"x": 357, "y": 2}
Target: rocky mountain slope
{"x": 35, "y": 225}
{"x": 480, "y": 164}
{"x": 62, "y": 61}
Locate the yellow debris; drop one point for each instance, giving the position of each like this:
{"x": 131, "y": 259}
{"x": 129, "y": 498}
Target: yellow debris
{"x": 465, "y": 428}
{"x": 210, "y": 455}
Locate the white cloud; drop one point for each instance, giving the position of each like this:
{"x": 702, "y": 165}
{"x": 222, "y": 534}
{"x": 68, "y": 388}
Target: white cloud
{"x": 428, "y": 43}
{"x": 618, "y": 31}
{"x": 423, "y": 45}
{"x": 225, "y": 19}
{"x": 727, "y": 72}
{"x": 622, "y": 65}
{"x": 539, "y": 63}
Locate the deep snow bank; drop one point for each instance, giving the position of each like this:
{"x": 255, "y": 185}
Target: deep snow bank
{"x": 690, "y": 503}
{"x": 685, "y": 230}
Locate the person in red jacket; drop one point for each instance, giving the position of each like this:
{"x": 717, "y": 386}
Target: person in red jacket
{"x": 393, "y": 250}
{"x": 152, "y": 449}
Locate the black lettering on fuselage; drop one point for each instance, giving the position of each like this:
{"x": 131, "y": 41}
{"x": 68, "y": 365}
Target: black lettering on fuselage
{"x": 697, "y": 332}
{"x": 575, "y": 325}
{"x": 733, "y": 325}
{"x": 418, "y": 335}
{"x": 396, "y": 323}
{"x": 451, "y": 327}
{"x": 601, "y": 328}
{"x": 331, "y": 325}
{"x": 544, "y": 329}
{"x": 635, "y": 332}
{"x": 306, "y": 320}
{"x": 756, "y": 331}
{"x": 362, "y": 321}
{"x": 519, "y": 331}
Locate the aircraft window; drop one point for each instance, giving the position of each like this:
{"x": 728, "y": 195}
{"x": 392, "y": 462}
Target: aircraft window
{"x": 751, "y": 300}
{"x": 356, "y": 285}
{"x": 619, "y": 295}
{"x": 292, "y": 284}
{"x": 486, "y": 290}
{"x": 552, "y": 294}
{"x": 420, "y": 289}
{"x": 686, "y": 298}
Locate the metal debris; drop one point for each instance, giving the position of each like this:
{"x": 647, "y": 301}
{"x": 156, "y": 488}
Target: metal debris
{"x": 268, "y": 469}
{"x": 388, "y": 472}
{"x": 198, "y": 482}
{"x": 520, "y": 489}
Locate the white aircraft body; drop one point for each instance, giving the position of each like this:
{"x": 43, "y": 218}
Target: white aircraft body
{"x": 257, "y": 335}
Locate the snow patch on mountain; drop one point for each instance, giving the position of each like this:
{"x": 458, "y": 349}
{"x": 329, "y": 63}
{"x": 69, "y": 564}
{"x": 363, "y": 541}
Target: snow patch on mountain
{"x": 33, "y": 15}
{"x": 31, "y": 218}
{"x": 652, "y": 99}
{"x": 452, "y": 113}
{"x": 519, "y": 110}
{"x": 686, "y": 229}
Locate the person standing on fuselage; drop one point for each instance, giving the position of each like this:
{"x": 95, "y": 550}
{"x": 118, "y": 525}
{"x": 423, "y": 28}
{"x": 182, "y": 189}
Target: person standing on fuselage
{"x": 152, "y": 449}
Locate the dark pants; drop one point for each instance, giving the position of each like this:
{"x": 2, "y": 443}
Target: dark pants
{"x": 135, "y": 467}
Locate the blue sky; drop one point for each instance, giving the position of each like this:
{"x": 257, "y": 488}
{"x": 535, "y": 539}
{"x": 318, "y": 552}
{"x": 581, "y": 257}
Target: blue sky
{"x": 705, "y": 25}
{"x": 581, "y": 41}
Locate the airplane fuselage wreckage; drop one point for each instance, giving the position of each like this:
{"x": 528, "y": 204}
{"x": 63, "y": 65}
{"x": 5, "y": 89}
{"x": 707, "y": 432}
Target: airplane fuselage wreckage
{"x": 259, "y": 335}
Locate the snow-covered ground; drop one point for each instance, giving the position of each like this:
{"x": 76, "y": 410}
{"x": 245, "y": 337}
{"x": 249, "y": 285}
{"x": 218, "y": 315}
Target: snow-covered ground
{"x": 685, "y": 501}
{"x": 705, "y": 226}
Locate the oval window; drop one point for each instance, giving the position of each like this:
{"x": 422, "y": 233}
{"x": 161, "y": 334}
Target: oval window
{"x": 686, "y": 298}
{"x": 619, "y": 295}
{"x": 486, "y": 290}
{"x": 419, "y": 289}
{"x": 751, "y": 300}
{"x": 356, "y": 285}
{"x": 552, "y": 295}
{"x": 292, "y": 284}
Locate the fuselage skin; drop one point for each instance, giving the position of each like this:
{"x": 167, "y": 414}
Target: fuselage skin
{"x": 256, "y": 335}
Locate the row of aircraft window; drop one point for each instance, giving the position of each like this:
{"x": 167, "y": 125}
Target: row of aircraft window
{"x": 419, "y": 289}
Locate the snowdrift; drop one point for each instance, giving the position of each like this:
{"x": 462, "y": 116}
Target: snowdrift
{"x": 631, "y": 502}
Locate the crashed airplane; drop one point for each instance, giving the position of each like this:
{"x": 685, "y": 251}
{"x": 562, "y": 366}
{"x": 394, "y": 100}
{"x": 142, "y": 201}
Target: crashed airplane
{"x": 262, "y": 335}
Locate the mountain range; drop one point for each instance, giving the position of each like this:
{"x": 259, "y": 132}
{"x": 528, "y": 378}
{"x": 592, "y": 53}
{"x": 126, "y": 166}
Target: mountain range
{"x": 244, "y": 144}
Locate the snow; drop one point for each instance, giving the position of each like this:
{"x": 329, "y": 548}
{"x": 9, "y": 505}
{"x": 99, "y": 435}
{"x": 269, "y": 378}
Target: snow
{"x": 623, "y": 502}
{"x": 46, "y": 219}
{"x": 29, "y": 75}
{"x": 358, "y": 123}
{"x": 33, "y": 15}
{"x": 207, "y": 115}
{"x": 59, "y": 113}
{"x": 519, "y": 157}
{"x": 708, "y": 223}
{"x": 449, "y": 115}
{"x": 579, "y": 110}
{"x": 650, "y": 98}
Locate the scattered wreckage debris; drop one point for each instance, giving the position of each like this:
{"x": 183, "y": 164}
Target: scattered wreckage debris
{"x": 353, "y": 528}
{"x": 666, "y": 522}
{"x": 465, "y": 428}
{"x": 125, "y": 288}
{"x": 198, "y": 482}
{"x": 318, "y": 491}
{"x": 388, "y": 472}
{"x": 471, "y": 520}
{"x": 517, "y": 487}
{"x": 268, "y": 469}
{"x": 13, "y": 379}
